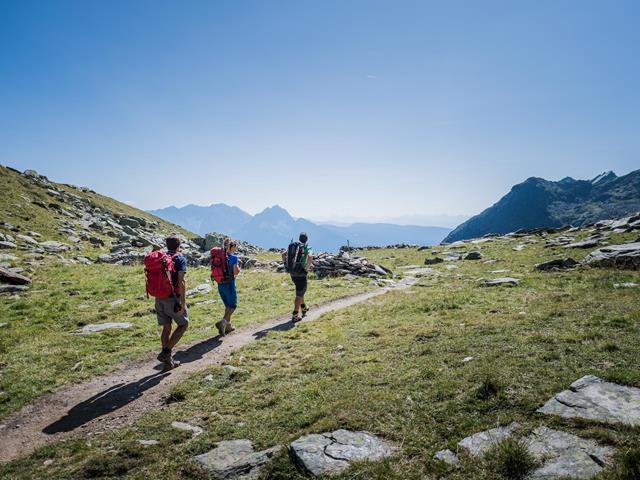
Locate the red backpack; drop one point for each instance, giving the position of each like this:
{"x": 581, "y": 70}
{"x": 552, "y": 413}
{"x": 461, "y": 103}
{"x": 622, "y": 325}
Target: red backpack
{"x": 159, "y": 269}
{"x": 219, "y": 265}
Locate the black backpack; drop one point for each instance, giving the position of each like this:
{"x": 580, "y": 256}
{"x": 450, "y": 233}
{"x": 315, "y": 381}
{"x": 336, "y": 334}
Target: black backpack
{"x": 295, "y": 254}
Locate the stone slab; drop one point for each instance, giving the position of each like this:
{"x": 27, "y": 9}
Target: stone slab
{"x": 479, "y": 443}
{"x": 99, "y": 327}
{"x": 235, "y": 459}
{"x": 591, "y": 398}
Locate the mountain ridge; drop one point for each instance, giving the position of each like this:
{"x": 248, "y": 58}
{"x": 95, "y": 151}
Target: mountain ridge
{"x": 537, "y": 202}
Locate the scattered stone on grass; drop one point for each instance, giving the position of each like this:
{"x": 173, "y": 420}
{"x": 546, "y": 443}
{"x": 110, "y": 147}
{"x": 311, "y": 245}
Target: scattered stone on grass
{"x": 564, "y": 455}
{"x": 117, "y": 302}
{"x": 12, "y": 277}
{"x": 54, "y": 247}
{"x": 480, "y": 443}
{"x": 148, "y": 443}
{"x": 508, "y": 281}
{"x": 473, "y": 255}
{"x": 200, "y": 289}
{"x": 7, "y": 245}
{"x": 331, "y": 453}
{"x": 4, "y": 324}
{"x": 235, "y": 459}
{"x": 433, "y": 261}
{"x": 7, "y": 257}
{"x": 99, "y": 327}
{"x": 557, "y": 264}
{"x": 12, "y": 288}
{"x": 187, "y": 427}
{"x": 626, "y": 285}
{"x": 206, "y": 302}
{"x": 467, "y": 359}
{"x": 495, "y": 272}
{"x": 447, "y": 456}
{"x": 592, "y": 398}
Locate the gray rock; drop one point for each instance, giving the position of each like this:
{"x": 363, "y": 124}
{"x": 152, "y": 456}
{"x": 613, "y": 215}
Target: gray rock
{"x": 433, "y": 261}
{"x": 626, "y": 255}
{"x": 564, "y": 455}
{"x": 451, "y": 256}
{"x": 148, "y": 443}
{"x": 626, "y": 285}
{"x": 199, "y": 290}
{"x": 12, "y": 288}
{"x": 557, "y": 264}
{"x": 194, "y": 429}
{"x": 7, "y": 257}
{"x": 12, "y": 277}
{"x": 480, "y": 443}
{"x": 235, "y": 459}
{"x": 509, "y": 281}
{"x": 99, "y": 327}
{"x": 4, "y": 324}
{"x": 129, "y": 222}
{"x": 117, "y": 302}
{"x": 27, "y": 239}
{"x": 7, "y": 245}
{"x": 592, "y": 398}
{"x": 331, "y": 453}
{"x": 206, "y": 302}
{"x": 473, "y": 255}
{"x": 96, "y": 241}
{"x": 54, "y": 247}
{"x": 447, "y": 456}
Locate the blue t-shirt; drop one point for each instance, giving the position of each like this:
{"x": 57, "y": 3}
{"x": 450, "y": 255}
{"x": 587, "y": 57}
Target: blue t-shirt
{"x": 232, "y": 260}
{"x": 180, "y": 264}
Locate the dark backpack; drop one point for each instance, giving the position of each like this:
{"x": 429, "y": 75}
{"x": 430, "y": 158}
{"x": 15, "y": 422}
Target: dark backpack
{"x": 295, "y": 257}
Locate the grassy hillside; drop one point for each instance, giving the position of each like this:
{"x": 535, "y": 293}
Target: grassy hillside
{"x": 394, "y": 366}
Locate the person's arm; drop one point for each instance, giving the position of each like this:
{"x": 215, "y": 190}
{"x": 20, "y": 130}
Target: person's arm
{"x": 309, "y": 261}
{"x": 236, "y": 269}
{"x": 183, "y": 291}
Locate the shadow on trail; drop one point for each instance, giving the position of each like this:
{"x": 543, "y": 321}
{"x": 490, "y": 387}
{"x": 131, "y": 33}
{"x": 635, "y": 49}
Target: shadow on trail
{"x": 102, "y": 403}
{"x": 281, "y": 327}
{"x": 118, "y": 396}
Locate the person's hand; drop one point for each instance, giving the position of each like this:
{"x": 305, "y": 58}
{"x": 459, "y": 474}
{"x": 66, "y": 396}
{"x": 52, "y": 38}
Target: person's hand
{"x": 181, "y": 311}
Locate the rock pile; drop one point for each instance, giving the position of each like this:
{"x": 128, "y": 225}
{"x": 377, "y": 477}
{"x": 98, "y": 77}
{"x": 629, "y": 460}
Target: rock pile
{"x": 626, "y": 255}
{"x": 329, "y": 265}
{"x": 346, "y": 248}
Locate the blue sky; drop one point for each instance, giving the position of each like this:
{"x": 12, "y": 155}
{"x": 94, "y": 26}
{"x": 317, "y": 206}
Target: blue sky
{"x": 332, "y": 109}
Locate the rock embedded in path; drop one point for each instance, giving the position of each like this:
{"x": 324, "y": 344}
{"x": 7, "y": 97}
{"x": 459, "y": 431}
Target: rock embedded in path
{"x": 626, "y": 255}
{"x": 564, "y": 455}
{"x": 235, "y": 459}
{"x": 8, "y": 276}
{"x": 591, "y": 398}
{"x": 480, "y": 443}
{"x": 99, "y": 327}
{"x": 496, "y": 282}
{"x": 331, "y": 453}
{"x": 557, "y": 264}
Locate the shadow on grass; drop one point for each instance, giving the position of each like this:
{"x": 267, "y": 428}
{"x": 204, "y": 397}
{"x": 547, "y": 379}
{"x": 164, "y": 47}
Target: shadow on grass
{"x": 281, "y": 327}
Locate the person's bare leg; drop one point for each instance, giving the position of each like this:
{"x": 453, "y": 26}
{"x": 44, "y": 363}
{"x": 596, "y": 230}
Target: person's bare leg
{"x": 177, "y": 334}
{"x": 165, "y": 335}
{"x": 298, "y": 305}
{"x": 228, "y": 312}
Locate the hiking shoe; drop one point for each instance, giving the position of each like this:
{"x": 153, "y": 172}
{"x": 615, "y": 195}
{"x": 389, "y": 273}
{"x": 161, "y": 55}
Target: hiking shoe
{"x": 228, "y": 328}
{"x": 305, "y": 309}
{"x": 170, "y": 364}
{"x": 295, "y": 317}
{"x": 222, "y": 327}
{"x": 163, "y": 356}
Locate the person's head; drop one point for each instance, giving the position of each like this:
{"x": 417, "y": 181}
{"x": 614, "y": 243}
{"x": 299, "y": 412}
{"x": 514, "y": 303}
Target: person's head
{"x": 233, "y": 246}
{"x": 303, "y": 237}
{"x": 173, "y": 243}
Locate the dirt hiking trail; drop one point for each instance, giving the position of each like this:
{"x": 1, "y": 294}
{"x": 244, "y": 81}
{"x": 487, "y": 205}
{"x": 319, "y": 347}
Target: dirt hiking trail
{"x": 119, "y": 398}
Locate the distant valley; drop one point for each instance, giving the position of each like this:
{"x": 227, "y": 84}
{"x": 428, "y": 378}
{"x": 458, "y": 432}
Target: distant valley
{"x": 275, "y": 227}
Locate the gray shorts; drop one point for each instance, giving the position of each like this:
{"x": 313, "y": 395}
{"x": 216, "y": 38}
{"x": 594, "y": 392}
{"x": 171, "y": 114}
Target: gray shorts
{"x": 165, "y": 313}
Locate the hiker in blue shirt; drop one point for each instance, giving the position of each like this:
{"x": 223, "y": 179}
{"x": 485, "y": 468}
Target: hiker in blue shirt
{"x": 227, "y": 290}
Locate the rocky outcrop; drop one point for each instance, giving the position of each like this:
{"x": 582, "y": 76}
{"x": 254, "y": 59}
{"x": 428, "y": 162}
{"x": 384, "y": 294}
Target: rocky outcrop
{"x": 235, "y": 459}
{"x": 8, "y": 276}
{"x": 557, "y": 264}
{"x": 626, "y": 255}
{"x": 329, "y": 265}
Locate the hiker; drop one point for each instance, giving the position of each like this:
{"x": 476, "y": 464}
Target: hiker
{"x": 297, "y": 260}
{"x": 224, "y": 270}
{"x": 165, "y": 273}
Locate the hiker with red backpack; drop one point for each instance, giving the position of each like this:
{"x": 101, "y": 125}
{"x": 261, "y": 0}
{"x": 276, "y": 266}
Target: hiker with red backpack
{"x": 224, "y": 270}
{"x": 165, "y": 273}
{"x": 298, "y": 259}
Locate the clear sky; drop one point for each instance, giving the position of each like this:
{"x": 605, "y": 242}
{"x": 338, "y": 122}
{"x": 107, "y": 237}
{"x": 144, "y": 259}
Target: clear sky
{"x": 344, "y": 108}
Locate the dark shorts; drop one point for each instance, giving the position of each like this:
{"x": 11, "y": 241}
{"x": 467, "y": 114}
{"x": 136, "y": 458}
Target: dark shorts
{"x": 165, "y": 313}
{"x": 300, "y": 282}
{"x": 228, "y": 294}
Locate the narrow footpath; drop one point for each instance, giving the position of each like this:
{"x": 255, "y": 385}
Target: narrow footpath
{"x": 119, "y": 398}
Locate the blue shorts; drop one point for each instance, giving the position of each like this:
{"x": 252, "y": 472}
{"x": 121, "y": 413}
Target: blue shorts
{"x": 228, "y": 294}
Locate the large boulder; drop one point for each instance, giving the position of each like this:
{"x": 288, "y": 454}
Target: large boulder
{"x": 7, "y": 276}
{"x": 557, "y": 264}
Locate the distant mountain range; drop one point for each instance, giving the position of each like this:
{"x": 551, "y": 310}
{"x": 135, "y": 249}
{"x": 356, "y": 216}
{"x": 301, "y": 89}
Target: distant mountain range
{"x": 275, "y": 227}
{"x": 537, "y": 202}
